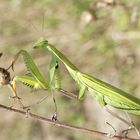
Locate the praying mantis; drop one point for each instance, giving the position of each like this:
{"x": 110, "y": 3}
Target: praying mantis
{"x": 105, "y": 94}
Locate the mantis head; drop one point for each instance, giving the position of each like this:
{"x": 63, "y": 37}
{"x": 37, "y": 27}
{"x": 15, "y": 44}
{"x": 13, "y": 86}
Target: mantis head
{"x": 41, "y": 43}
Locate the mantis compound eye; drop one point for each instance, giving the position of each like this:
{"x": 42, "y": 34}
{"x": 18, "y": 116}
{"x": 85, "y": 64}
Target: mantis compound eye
{"x": 4, "y": 77}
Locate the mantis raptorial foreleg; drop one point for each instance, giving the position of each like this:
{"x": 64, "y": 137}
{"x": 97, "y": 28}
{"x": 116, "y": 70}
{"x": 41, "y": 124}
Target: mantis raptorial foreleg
{"x": 36, "y": 80}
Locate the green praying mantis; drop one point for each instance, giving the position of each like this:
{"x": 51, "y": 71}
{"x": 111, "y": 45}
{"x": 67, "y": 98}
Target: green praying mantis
{"x": 105, "y": 93}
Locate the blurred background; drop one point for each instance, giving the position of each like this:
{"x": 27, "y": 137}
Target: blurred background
{"x": 101, "y": 37}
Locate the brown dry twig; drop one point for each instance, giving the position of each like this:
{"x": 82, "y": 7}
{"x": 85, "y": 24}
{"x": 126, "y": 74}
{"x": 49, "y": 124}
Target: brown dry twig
{"x": 64, "y": 125}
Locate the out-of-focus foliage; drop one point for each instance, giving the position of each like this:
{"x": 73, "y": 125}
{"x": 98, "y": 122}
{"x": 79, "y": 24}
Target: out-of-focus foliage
{"x": 101, "y": 37}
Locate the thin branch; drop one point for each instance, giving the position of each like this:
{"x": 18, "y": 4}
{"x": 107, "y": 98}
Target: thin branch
{"x": 61, "y": 124}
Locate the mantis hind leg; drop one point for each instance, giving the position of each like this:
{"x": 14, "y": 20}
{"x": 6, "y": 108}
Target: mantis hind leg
{"x": 125, "y": 132}
{"x": 129, "y": 123}
{"x": 100, "y": 99}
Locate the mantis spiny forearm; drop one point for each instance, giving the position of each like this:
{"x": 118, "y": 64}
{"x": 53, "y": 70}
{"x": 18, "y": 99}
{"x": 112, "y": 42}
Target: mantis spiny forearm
{"x": 34, "y": 78}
